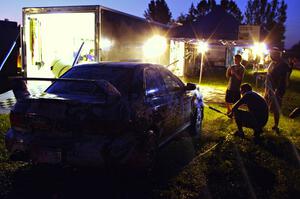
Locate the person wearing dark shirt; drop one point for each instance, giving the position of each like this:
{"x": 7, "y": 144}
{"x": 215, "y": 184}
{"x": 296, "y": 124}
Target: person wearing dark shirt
{"x": 235, "y": 74}
{"x": 275, "y": 85}
{"x": 257, "y": 115}
{"x": 291, "y": 64}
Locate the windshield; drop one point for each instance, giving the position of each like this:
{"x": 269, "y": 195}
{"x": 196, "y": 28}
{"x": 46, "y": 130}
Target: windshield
{"x": 119, "y": 77}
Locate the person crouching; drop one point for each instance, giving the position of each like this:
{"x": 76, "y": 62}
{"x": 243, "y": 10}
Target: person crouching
{"x": 257, "y": 115}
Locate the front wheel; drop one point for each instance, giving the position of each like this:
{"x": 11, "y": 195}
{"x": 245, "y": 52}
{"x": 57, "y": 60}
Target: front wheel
{"x": 196, "y": 122}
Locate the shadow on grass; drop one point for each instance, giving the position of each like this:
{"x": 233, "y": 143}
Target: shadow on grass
{"x": 54, "y": 182}
{"x": 282, "y": 148}
{"x": 58, "y": 182}
{"x": 243, "y": 168}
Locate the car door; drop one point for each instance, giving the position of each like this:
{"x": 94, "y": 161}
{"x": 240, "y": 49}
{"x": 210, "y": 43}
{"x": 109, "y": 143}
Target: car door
{"x": 181, "y": 99}
{"x": 156, "y": 99}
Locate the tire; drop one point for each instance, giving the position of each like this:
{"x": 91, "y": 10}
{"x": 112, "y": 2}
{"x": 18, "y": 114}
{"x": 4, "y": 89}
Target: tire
{"x": 150, "y": 149}
{"x": 196, "y": 122}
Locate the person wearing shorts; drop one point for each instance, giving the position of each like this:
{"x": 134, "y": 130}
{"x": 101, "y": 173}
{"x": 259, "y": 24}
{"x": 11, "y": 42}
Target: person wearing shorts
{"x": 235, "y": 74}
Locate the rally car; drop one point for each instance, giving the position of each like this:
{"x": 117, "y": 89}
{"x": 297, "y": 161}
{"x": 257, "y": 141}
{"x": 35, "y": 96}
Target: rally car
{"x": 104, "y": 114}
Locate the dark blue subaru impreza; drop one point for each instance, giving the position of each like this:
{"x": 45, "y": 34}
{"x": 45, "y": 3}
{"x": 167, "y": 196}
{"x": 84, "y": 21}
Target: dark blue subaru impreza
{"x": 102, "y": 114}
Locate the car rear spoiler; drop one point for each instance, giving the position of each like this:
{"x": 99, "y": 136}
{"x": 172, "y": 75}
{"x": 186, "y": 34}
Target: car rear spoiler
{"x": 20, "y": 88}
{"x": 51, "y": 79}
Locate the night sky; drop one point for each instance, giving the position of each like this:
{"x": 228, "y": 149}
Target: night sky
{"x": 12, "y": 10}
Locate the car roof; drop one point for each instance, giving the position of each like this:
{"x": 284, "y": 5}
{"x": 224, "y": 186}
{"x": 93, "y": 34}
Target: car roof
{"x": 133, "y": 65}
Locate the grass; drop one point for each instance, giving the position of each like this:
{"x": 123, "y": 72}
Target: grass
{"x": 235, "y": 168}
{"x": 4, "y": 125}
{"x": 241, "y": 168}
{"x": 7, "y": 168}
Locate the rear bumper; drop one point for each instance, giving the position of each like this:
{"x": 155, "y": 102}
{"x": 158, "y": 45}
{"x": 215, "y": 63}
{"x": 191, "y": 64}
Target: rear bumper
{"x": 86, "y": 151}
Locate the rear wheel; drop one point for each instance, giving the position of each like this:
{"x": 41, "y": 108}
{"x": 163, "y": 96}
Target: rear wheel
{"x": 150, "y": 150}
{"x": 196, "y": 122}
{"x": 144, "y": 154}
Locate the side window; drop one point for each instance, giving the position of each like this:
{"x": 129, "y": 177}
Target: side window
{"x": 171, "y": 82}
{"x": 153, "y": 83}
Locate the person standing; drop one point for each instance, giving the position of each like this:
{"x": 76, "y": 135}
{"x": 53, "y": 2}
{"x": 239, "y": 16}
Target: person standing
{"x": 275, "y": 84}
{"x": 235, "y": 74}
{"x": 257, "y": 115}
{"x": 291, "y": 64}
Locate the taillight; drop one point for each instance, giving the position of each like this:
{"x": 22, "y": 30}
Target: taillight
{"x": 18, "y": 121}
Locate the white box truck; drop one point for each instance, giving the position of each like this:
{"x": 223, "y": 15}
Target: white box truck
{"x": 52, "y": 37}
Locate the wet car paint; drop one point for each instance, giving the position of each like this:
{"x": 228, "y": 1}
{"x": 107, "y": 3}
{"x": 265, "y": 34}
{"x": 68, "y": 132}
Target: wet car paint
{"x": 100, "y": 131}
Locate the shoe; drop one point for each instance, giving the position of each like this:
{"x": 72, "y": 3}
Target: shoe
{"x": 258, "y": 132}
{"x": 239, "y": 134}
{"x": 230, "y": 115}
{"x": 276, "y": 129}
{"x": 257, "y": 139}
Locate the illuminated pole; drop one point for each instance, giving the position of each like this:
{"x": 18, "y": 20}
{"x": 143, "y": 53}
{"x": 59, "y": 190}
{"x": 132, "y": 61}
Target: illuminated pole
{"x": 201, "y": 67}
{"x": 202, "y": 48}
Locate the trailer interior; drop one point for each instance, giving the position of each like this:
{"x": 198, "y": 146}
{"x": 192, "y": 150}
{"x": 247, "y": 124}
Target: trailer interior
{"x": 54, "y": 39}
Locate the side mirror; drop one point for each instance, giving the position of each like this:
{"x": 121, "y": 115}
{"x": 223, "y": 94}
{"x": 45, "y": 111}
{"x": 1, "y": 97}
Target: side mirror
{"x": 190, "y": 86}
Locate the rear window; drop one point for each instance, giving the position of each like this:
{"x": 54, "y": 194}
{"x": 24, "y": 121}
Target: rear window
{"x": 119, "y": 77}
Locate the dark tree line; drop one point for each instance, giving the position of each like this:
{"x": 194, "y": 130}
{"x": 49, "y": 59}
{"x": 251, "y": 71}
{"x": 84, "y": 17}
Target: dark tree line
{"x": 269, "y": 14}
{"x": 158, "y": 11}
{"x": 295, "y": 50}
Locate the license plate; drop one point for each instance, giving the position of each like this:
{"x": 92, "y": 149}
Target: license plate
{"x": 52, "y": 157}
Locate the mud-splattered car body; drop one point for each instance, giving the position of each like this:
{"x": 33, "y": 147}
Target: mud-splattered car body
{"x": 116, "y": 113}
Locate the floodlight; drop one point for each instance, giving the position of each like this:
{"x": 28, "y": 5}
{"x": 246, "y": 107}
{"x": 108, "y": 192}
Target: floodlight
{"x": 202, "y": 47}
{"x": 155, "y": 46}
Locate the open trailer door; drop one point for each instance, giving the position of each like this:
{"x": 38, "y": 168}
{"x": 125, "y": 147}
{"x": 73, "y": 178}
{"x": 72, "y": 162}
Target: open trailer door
{"x": 9, "y": 52}
{"x": 53, "y": 36}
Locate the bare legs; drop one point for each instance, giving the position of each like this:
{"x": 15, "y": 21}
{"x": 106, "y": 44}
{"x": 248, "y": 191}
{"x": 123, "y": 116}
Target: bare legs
{"x": 276, "y": 119}
{"x": 229, "y": 107}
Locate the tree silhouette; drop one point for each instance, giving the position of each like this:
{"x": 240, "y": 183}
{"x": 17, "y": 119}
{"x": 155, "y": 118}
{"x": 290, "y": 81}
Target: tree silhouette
{"x": 195, "y": 13}
{"x": 182, "y": 18}
{"x": 205, "y": 6}
{"x": 158, "y": 11}
{"x": 211, "y": 4}
{"x": 295, "y": 50}
{"x": 202, "y": 8}
{"x": 192, "y": 14}
{"x": 231, "y": 7}
{"x": 271, "y": 16}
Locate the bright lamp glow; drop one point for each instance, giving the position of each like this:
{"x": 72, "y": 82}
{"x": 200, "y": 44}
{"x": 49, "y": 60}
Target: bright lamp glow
{"x": 202, "y": 47}
{"x": 106, "y": 44}
{"x": 260, "y": 50}
{"x": 155, "y": 46}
